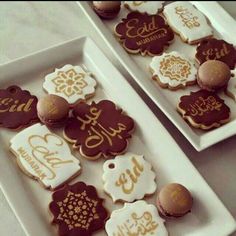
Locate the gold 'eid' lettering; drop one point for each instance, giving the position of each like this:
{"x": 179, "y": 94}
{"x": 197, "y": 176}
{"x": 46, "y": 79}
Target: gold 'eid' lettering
{"x": 11, "y": 105}
{"x": 216, "y": 53}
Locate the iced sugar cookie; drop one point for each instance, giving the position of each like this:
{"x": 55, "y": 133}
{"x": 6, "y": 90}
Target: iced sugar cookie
{"x": 138, "y": 218}
{"x": 44, "y": 156}
{"x": 17, "y": 108}
{"x": 231, "y": 88}
{"x": 204, "y": 109}
{"x": 187, "y": 21}
{"x": 149, "y": 7}
{"x": 70, "y": 82}
{"x": 78, "y": 210}
{"x": 173, "y": 70}
{"x": 145, "y": 34}
{"x": 128, "y": 177}
{"x": 99, "y": 129}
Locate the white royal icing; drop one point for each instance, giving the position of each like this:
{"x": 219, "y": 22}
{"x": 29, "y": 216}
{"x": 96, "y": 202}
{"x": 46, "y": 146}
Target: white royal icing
{"x": 231, "y": 87}
{"x": 138, "y": 218}
{"x": 128, "y": 177}
{"x": 173, "y": 69}
{"x": 187, "y": 21}
{"x": 149, "y": 7}
{"x": 44, "y": 155}
{"x": 71, "y": 83}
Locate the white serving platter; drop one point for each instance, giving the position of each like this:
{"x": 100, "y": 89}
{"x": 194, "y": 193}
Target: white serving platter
{"x": 137, "y": 66}
{"x": 30, "y": 201}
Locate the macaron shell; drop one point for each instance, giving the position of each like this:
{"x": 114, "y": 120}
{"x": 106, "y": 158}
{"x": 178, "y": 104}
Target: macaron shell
{"x": 107, "y": 5}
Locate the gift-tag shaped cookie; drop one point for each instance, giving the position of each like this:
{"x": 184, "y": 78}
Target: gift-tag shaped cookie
{"x": 99, "y": 129}
{"x": 173, "y": 70}
{"x": 70, "y": 82}
{"x": 231, "y": 87}
{"x": 128, "y": 177}
{"x": 17, "y": 108}
{"x": 138, "y": 218}
{"x": 149, "y": 7}
{"x": 44, "y": 156}
{"x": 187, "y": 21}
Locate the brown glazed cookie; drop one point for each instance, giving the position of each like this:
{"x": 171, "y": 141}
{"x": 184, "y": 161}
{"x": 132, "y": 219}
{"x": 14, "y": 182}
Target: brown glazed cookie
{"x": 204, "y": 109}
{"x": 78, "y": 210}
{"x": 99, "y": 129}
{"x": 215, "y": 49}
{"x": 143, "y": 33}
{"x": 17, "y": 108}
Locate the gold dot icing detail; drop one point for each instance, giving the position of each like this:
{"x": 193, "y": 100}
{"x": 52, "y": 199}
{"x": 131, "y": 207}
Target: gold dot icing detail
{"x": 77, "y": 208}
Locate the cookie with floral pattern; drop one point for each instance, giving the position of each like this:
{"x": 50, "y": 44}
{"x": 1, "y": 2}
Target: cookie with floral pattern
{"x": 72, "y": 83}
{"x": 78, "y": 210}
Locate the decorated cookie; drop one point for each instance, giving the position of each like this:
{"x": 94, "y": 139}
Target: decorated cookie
{"x": 70, "y": 82}
{"x": 149, "y": 7}
{"x": 78, "y": 210}
{"x": 99, "y": 129}
{"x": 204, "y": 109}
{"x": 187, "y": 21}
{"x": 138, "y": 218}
{"x": 231, "y": 88}
{"x": 44, "y": 156}
{"x": 215, "y": 49}
{"x": 145, "y": 34}
{"x": 173, "y": 70}
{"x": 128, "y": 178}
{"x": 17, "y": 108}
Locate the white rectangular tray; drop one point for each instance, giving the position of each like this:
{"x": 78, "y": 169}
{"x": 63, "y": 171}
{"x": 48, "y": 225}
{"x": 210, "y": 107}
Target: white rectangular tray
{"x": 137, "y": 66}
{"x": 30, "y": 201}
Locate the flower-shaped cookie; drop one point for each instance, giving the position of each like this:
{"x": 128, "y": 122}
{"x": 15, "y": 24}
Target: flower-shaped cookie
{"x": 70, "y": 82}
{"x": 147, "y": 34}
{"x": 78, "y": 210}
{"x": 99, "y": 129}
{"x": 17, "y": 108}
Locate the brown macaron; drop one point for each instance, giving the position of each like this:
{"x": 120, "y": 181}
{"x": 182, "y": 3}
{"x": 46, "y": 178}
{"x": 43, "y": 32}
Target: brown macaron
{"x": 213, "y": 75}
{"x": 53, "y": 110}
{"x": 107, "y": 9}
{"x": 174, "y": 200}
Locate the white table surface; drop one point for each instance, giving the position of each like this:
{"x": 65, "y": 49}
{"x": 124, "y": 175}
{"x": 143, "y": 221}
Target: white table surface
{"x": 26, "y": 27}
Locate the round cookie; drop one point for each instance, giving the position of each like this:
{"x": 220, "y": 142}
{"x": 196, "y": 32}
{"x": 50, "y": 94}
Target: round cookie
{"x": 204, "y": 109}
{"x": 174, "y": 200}
{"x": 107, "y": 9}
{"x": 216, "y": 49}
{"x": 143, "y": 33}
{"x": 213, "y": 75}
{"x": 53, "y": 110}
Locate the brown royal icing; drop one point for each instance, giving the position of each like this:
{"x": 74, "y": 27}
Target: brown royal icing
{"x": 144, "y": 33}
{"x": 78, "y": 210}
{"x": 214, "y": 49}
{"x": 204, "y": 107}
{"x": 17, "y": 108}
{"x": 99, "y": 128}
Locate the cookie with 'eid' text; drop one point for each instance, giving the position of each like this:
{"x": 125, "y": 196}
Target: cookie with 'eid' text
{"x": 99, "y": 129}
{"x": 204, "y": 109}
{"x": 173, "y": 70}
{"x": 149, "y": 7}
{"x": 187, "y": 21}
{"x": 143, "y": 33}
{"x": 138, "y": 218}
{"x": 17, "y": 108}
{"x": 128, "y": 177}
{"x": 44, "y": 156}
{"x": 78, "y": 210}
{"x": 70, "y": 82}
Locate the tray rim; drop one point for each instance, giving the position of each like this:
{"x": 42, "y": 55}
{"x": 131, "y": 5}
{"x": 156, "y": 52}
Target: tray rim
{"x": 198, "y": 142}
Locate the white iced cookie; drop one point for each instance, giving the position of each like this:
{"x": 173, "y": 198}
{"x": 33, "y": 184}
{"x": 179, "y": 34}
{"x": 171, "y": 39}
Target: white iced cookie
{"x": 173, "y": 70}
{"x": 231, "y": 87}
{"x": 44, "y": 156}
{"x": 187, "y": 21}
{"x": 149, "y": 7}
{"x": 71, "y": 83}
{"x": 138, "y": 218}
{"x": 128, "y": 177}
